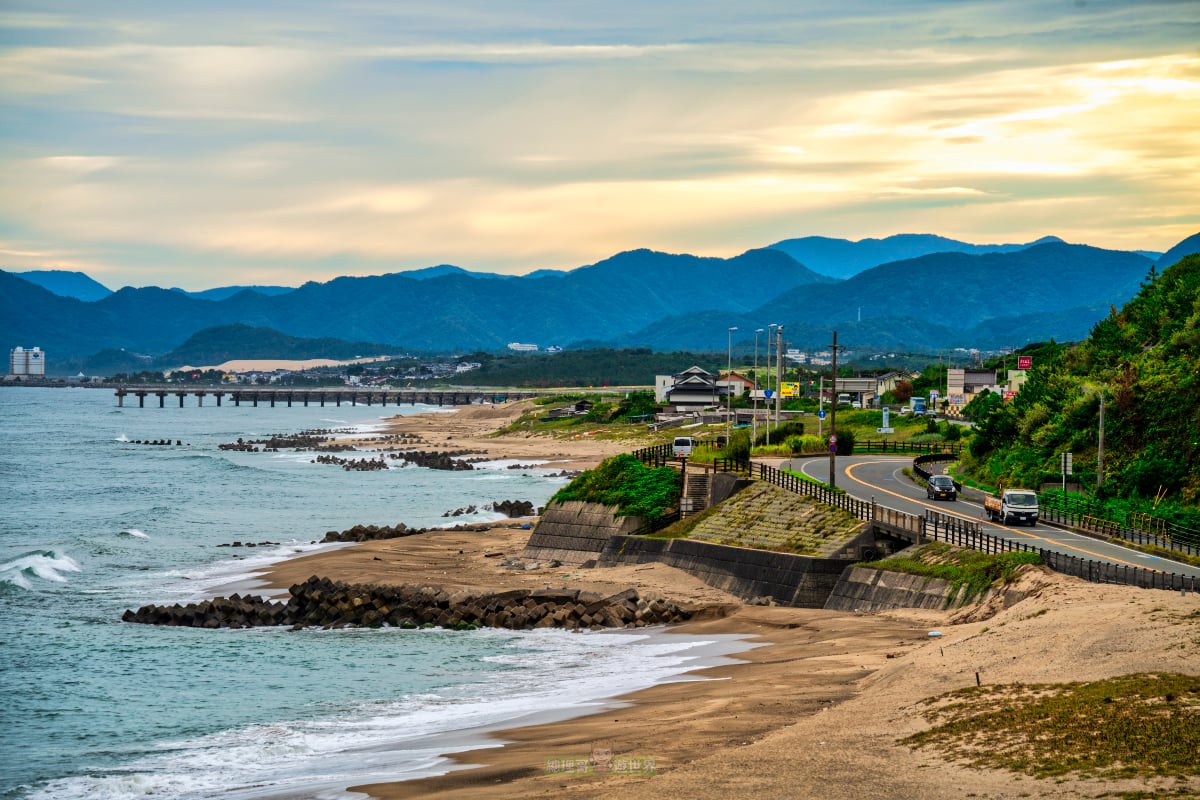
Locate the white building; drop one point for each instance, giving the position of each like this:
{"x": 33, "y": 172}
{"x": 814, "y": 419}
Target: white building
{"x": 522, "y": 348}
{"x": 27, "y": 363}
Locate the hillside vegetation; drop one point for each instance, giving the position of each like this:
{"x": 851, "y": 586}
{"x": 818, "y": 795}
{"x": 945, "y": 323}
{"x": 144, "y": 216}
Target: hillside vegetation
{"x": 1143, "y": 363}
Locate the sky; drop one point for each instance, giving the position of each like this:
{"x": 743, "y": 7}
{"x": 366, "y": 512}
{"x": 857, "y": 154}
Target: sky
{"x": 199, "y": 144}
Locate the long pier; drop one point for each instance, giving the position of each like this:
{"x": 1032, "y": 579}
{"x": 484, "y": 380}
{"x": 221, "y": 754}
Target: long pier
{"x": 335, "y": 396}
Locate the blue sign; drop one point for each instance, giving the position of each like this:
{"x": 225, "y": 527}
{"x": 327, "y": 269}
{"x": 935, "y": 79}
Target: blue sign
{"x": 767, "y": 393}
{"x": 821, "y": 414}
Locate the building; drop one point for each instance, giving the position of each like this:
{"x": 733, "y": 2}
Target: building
{"x": 24, "y": 363}
{"x": 963, "y": 384}
{"x": 694, "y": 389}
{"x": 736, "y": 382}
{"x": 517, "y": 347}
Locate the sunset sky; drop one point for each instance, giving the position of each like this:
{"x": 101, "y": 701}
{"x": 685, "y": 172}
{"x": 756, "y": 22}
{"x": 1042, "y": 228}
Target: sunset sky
{"x": 200, "y": 144}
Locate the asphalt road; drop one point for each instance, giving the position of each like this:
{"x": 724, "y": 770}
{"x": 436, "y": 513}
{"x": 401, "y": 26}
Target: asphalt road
{"x": 880, "y": 478}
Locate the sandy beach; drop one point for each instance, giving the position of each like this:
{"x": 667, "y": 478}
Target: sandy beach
{"x": 817, "y": 709}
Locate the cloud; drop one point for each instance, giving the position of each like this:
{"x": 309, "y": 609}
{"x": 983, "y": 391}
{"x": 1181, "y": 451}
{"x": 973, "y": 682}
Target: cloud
{"x": 383, "y": 136}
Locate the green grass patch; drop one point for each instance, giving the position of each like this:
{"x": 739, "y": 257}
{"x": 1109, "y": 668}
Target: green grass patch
{"x": 1133, "y": 726}
{"x": 800, "y": 476}
{"x": 975, "y": 571}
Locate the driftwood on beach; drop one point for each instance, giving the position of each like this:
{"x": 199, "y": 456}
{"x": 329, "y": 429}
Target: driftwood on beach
{"x": 320, "y": 602}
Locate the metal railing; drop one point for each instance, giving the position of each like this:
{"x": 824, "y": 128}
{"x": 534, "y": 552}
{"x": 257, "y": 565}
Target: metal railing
{"x": 885, "y": 446}
{"x": 957, "y": 531}
{"x": 1087, "y": 516}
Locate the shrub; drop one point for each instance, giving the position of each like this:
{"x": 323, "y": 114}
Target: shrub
{"x": 625, "y": 482}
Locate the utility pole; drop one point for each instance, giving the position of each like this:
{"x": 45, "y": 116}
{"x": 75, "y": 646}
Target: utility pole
{"x": 767, "y": 405}
{"x": 833, "y": 421}
{"x": 757, "y": 389}
{"x": 1100, "y": 445}
{"x": 729, "y": 385}
{"x": 778, "y": 375}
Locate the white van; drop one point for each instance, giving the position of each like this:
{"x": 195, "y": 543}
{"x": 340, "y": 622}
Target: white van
{"x": 682, "y": 446}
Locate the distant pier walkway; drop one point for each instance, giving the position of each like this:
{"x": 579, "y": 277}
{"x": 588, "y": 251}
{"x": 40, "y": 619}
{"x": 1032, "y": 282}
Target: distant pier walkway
{"x": 335, "y": 396}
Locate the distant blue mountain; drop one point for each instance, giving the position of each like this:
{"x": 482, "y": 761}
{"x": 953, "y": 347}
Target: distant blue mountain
{"x": 842, "y": 258}
{"x": 65, "y": 283}
{"x": 1175, "y": 254}
{"x": 225, "y": 292}
{"x": 638, "y": 298}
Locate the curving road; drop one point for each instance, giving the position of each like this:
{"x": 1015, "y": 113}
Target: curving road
{"x": 880, "y": 478}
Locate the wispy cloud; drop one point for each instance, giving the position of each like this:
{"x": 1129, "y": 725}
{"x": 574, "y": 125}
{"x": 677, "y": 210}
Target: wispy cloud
{"x": 189, "y": 146}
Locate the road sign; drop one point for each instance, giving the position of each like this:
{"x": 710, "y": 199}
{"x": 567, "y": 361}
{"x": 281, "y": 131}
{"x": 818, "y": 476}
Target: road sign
{"x": 832, "y": 439}
{"x": 833, "y": 448}
{"x": 768, "y": 393}
{"x": 885, "y": 430}
{"x": 1067, "y": 467}
{"x": 821, "y": 414}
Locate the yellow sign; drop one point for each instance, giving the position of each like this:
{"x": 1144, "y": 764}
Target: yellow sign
{"x": 787, "y": 389}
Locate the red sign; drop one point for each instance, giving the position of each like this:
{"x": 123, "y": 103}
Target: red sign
{"x": 1024, "y": 362}
{"x": 833, "y": 440}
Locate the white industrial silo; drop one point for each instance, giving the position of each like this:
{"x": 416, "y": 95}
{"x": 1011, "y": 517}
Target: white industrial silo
{"x": 24, "y": 362}
{"x": 37, "y": 362}
{"x": 18, "y": 362}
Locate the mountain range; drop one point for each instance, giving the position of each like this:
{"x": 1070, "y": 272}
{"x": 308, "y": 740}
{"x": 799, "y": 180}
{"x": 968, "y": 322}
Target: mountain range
{"x": 983, "y": 296}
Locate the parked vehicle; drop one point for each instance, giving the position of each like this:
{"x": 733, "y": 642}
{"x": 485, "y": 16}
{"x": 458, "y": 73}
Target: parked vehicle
{"x": 917, "y": 404}
{"x": 1012, "y": 505}
{"x": 683, "y": 446}
{"x": 940, "y": 486}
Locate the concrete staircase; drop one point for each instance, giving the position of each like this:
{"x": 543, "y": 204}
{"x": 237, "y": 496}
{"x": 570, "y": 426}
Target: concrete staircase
{"x": 695, "y": 493}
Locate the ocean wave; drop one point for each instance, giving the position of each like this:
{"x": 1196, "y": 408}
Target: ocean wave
{"x": 42, "y": 565}
{"x": 556, "y": 674}
{"x": 133, "y": 533}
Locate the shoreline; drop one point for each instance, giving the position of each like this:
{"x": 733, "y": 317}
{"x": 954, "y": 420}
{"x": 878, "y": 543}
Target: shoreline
{"x": 814, "y": 707}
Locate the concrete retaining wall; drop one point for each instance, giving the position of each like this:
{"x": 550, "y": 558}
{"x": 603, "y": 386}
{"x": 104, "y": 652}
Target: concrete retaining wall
{"x": 574, "y": 532}
{"x": 789, "y": 579}
{"x": 863, "y": 589}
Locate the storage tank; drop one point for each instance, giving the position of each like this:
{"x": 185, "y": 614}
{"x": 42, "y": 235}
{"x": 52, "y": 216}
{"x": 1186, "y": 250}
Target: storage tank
{"x": 37, "y": 362}
{"x": 18, "y": 362}
{"x": 27, "y": 362}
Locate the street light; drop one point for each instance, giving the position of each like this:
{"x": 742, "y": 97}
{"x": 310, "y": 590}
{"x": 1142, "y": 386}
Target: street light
{"x": 771, "y": 326}
{"x": 729, "y": 385}
{"x": 754, "y": 419}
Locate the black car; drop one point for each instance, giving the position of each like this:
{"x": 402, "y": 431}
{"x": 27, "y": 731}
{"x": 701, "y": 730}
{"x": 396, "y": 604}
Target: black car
{"x": 940, "y": 486}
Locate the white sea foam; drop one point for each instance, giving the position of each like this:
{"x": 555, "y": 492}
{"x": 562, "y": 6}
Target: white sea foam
{"x": 134, "y": 533}
{"x": 558, "y": 675}
{"x": 204, "y": 581}
{"x": 44, "y": 565}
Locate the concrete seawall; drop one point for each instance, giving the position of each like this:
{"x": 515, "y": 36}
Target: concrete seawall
{"x": 789, "y": 580}
{"x": 574, "y": 532}
{"x": 865, "y": 589}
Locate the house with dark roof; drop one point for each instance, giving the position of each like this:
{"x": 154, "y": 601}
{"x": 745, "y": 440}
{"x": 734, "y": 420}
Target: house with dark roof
{"x": 694, "y": 389}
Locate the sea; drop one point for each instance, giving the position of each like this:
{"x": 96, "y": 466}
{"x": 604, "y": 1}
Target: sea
{"x": 93, "y": 523}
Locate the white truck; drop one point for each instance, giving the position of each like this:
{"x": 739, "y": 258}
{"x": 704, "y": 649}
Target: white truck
{"x": 1012, "y": 505}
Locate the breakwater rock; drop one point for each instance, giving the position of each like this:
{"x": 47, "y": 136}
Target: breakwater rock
{"x": 320, "y": 602}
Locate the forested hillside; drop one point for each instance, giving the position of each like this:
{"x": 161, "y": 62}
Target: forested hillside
{"x": 1145, "y": 361}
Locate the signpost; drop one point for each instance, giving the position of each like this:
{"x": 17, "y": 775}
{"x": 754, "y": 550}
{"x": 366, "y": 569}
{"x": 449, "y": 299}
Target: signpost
{"x": 1067, "y": 469}
{"x": 886, "y": 422}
